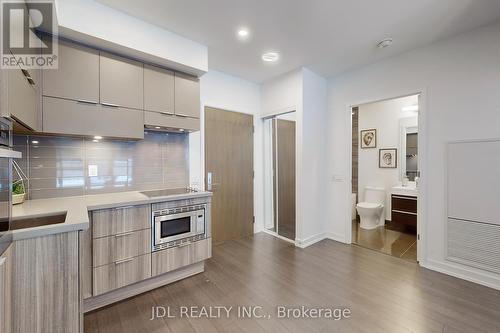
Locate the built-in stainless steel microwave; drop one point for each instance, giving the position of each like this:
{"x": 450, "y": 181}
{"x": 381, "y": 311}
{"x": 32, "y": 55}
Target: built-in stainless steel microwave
{"x": 174, "y": 226}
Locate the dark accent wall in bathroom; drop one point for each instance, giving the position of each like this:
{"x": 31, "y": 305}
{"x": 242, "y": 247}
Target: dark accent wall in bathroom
{"x": 355, "y": 144}
{"x": 59, "y": 166}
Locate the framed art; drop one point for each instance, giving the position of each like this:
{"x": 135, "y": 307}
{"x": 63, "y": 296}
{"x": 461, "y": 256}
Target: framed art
{"x": 368, "y": 138}
{"x": 388, "y": 158}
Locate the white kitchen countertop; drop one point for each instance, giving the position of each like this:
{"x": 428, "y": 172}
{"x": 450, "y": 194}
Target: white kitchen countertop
{"x": 77, "y": 208}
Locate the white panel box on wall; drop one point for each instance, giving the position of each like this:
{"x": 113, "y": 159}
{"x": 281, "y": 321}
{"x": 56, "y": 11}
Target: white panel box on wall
{"x": 473, "y": 181}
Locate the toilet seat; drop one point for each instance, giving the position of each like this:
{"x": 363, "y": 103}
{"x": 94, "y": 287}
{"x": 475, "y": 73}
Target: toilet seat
{"x": 368, "y": 205}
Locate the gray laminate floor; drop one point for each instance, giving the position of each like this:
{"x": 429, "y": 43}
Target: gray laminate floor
{"x": 383, "y": 293}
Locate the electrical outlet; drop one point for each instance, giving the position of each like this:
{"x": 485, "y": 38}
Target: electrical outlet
{"x": 92, "y": 170}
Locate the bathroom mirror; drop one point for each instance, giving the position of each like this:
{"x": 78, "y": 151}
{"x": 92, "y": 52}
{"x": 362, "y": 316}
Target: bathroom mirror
{"x": 408, "y": 147}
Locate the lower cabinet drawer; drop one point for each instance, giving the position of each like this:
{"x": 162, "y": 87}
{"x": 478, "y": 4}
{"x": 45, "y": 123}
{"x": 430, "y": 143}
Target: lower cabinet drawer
{"x": 114, "y": 221}
{"x": 110, "y": 249}
{"x": 404, "y": 218}
{"x": 121, "y": 273}
{"x": 404, "y": 203}
{"x": 170, "y": 259}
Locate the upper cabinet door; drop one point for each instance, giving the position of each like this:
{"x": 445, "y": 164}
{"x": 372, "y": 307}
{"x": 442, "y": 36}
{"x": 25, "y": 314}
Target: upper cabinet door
{"x": 23, "y": 97}
{"x": 122, "y": 82}
{"x": 187, "y": 96}
{"x": 158, "y": 89}
{"x": 77, "y": 76}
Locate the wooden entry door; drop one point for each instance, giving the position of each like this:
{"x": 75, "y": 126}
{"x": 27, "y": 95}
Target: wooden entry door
{"x": 229, "y": 164}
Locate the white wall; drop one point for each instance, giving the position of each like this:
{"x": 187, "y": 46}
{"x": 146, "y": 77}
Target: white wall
{"x": 384, "y": 116}
{"x": 227, "y": 92}
{"x": 460, "y": 80}
{"x": 93, "y": 23}
{"x": 312, "y": 172}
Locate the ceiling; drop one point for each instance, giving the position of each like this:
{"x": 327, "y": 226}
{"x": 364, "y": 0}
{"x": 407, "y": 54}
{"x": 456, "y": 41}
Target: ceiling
{"x": 327, "y": 36}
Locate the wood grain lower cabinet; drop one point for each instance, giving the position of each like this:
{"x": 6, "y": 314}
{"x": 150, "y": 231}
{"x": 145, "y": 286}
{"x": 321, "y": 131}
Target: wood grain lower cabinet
{"x": 170, "y": 259}
{"x": 107, "y": 250}
{"x": 404, "y": 210}
{"x": 110, "y": 222}
{"x": 5, "y": 291}
{"x": 63, "y": 116}
{"x": 45, "y": 284}
{"x": 121, "y": 273}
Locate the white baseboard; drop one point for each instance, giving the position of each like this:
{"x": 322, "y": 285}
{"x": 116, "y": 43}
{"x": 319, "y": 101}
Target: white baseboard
{"x": 336, "y": 237}
{"x": 303, "y": 243}
{"x": 464, "y": 273}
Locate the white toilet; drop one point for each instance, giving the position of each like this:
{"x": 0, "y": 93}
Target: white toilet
{"x": 371, "y": 211}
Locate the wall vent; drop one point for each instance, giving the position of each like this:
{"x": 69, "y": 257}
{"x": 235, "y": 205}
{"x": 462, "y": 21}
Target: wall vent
{"x": 474, "y": 244}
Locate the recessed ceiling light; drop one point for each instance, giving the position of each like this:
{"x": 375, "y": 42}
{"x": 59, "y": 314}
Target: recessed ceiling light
{"x": 98, "y": 137}
{"x": 270, "y": 57}
{"x": 243, "y": 33}
{"x": 34, "y": 142}
{"x": 385, "y": 43}
{"x": 157, "y": 127}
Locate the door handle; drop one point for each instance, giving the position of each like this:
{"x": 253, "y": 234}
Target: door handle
{"x": 209, "y": 181}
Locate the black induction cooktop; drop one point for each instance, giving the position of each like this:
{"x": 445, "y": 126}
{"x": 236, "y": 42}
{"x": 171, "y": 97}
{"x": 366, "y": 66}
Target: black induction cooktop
{"x": 167, "y": 192}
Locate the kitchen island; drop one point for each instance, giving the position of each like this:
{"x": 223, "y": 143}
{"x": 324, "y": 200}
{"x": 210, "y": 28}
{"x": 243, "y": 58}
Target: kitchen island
{"x": 76, "y": 254}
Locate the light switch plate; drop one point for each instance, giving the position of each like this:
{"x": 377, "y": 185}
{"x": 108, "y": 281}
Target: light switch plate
{"x": 92, "y": 170}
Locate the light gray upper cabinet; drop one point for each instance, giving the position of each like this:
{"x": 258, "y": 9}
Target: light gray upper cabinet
{"x": 121, "y": 82}
{"x": 187, "y": 96}
{"x": 62, "y": 116}
{"x": 158, "y": 89}
{"x": 22, "y": 96}
{"x": 171, "y": 121}
{"x": 77, "y": 75}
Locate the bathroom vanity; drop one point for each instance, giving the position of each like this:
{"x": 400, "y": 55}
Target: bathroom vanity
{"x": 404, "y": 201}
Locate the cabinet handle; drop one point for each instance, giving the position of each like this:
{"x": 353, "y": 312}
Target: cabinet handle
{"x": 118, "y": 262}
{"x": 124, "y": 207}
{"x": 167, "y": 113}
{"x": 184, "y": 244}
{"x": 402, "y": 212}
{"x": 404, "y": 198}
{"x": 181, "y": 115}
{"x": 124, "y": 234}
{"x": 110, "y": 105}
{"x": 84, "y": 101}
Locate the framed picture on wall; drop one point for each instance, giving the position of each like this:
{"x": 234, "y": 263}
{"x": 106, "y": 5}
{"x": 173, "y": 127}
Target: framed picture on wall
{"x": 368, "y": 138}
{"x": 388, "y": 158}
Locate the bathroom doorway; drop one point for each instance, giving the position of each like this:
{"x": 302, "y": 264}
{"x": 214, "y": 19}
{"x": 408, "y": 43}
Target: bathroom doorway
{"x": 279, "y": 175}
{"x": 385, "y": 176}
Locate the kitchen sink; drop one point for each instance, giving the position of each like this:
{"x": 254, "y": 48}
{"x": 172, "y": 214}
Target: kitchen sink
{"x": 38, "y": 221}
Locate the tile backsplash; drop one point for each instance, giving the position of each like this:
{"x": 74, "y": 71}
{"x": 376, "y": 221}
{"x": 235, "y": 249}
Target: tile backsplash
{"x": 67, "y": 166}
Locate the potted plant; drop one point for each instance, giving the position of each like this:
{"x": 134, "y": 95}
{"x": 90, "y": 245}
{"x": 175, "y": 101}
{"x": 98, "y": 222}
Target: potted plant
{"x": 18, "y": 188}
